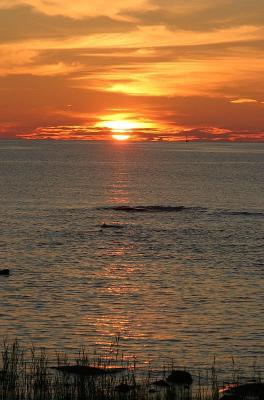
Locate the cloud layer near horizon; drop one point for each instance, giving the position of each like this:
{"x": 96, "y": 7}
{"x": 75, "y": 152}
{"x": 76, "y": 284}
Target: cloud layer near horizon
{"x": 191, "y": 68}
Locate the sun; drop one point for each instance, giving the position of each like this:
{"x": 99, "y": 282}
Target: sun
{"x": 123, "y": 126}
{"x": 121, "y": 137}
{"x": 121, "y": 129}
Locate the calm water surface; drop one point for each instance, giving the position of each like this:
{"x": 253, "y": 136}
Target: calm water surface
{"x": 185, "y": 283}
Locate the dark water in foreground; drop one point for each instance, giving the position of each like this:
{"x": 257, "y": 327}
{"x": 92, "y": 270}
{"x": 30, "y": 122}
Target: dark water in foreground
{"x": 177, "y": 270}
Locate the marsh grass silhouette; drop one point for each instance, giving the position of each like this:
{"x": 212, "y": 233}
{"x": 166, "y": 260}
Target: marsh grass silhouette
{"x": 31, "y": 375}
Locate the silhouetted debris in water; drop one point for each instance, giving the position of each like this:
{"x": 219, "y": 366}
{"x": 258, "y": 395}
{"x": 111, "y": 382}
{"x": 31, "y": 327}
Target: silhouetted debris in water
{"x": 88, "y": 370}
{"x": 5, "y": 272}
{"x": 180, "y": 377}
{"x": 123, "y": 388}
{"x": 104, "y": 225}
{"x": 252, "y": 391}
{"x": 160, "y": 383}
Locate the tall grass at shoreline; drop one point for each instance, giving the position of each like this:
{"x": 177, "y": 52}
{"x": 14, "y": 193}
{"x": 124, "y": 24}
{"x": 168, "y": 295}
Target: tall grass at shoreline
{"x": 28, "y": 374}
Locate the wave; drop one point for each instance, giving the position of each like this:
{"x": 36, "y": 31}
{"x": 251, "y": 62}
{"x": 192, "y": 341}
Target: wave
{"x": 143, "y": 209}
{"x": 246, "y": 213}
{"x": 173, "y": 209}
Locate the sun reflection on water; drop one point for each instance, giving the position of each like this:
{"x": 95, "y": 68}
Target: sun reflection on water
{"x": 118, "y": 190}
{"x": 120, "y": 286}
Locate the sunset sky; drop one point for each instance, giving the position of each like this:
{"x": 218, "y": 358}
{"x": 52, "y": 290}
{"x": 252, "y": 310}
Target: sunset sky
{"x": 153, "y": 69}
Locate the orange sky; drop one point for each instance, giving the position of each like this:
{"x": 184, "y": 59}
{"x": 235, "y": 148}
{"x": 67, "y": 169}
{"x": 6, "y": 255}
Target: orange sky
{"x": 170, "y": 67}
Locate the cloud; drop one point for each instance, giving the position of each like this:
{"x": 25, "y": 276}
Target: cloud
{"x": 200, "y": 111}
{"x": 157, "y": 70}
{"x": 77, "y": 8}
{"x": 241, "y": 101}
{"x": 148, "y": 54}
{"x": 201, "y": 15}
{"x": 24, "y": 22}
{"x": 28, "y": 103}
{"x": 249, "y": 85}
{"x": 75, "y": 132}
{"x": 194, "y": 67}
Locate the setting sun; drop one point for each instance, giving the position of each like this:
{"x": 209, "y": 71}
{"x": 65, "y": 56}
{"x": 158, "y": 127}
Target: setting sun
{"x": 124, "y": 126}
{"x": 120, "y": 137}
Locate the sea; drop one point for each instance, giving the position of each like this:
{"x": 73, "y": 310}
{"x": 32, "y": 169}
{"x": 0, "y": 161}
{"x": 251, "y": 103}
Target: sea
{"x": 157, "y": 244}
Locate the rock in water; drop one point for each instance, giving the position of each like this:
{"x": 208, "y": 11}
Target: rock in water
{"x": 5, "y": 272}
{"x": 180, "y": 377}
{"x": 245, "y": 392}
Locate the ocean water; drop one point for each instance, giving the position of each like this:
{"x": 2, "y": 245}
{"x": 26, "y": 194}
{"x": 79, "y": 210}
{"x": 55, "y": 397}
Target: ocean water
{"x": 160, "y": 243}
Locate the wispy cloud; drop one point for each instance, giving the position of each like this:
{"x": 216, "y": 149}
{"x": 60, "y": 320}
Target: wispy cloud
{"x": 24, "y": 22}
{"x": 241, "y": 101}
{"x": 75, "y": 132}
{"x": 201, "y": 15}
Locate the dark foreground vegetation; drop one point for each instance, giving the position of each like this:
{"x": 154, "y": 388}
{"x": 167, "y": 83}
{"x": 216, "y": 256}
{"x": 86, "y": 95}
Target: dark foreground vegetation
{"x": 31, "y": 375}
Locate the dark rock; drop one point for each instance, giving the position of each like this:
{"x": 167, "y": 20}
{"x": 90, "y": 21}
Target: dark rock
{"x": 5, "y": 272}
{"x": 87, "y": 370}
{"x": 246, "y": 391}
{"x": 160, "y": 383}
{"x": 123, "y": 388}
{"x": 180, "y": 377}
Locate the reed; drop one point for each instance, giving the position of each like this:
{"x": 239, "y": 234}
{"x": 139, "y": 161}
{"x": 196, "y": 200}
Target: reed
{"x": 31, "y": 375}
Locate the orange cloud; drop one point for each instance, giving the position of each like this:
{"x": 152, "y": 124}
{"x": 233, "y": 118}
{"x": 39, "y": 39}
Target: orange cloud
{"x": 241, "y": 101}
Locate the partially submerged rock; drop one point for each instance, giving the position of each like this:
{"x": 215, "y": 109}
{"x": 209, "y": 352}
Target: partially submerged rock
{"x": 104, "y": 225}
{"x": 180, "y": 377}
{"x": 88, "y": 370}
{"x": 5, "y": 272}
{"x": 252, "y": 391}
